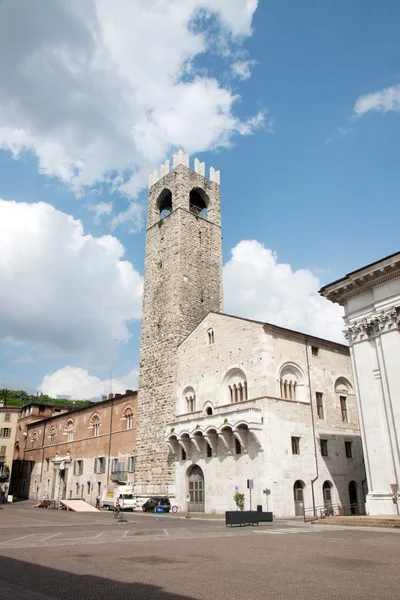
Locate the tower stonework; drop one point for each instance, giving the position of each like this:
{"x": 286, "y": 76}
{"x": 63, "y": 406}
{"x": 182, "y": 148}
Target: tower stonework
{"x": 182, "y": 284}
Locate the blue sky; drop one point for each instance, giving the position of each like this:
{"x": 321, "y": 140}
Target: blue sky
{"x": 298, "y": 106}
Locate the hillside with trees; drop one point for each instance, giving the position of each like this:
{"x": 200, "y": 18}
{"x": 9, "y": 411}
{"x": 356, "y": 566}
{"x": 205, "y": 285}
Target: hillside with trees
{"x": 21, "y": 398}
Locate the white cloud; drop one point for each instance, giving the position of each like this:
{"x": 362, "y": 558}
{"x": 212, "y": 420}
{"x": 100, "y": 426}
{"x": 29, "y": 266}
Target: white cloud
{"x": 132, "y": 217}
{"x": 79, "y": 385}
{"x": 257, "y": 286}
{"x": 100, "y": 91}
{"x": 242, "y": 68}
{"x": 381, "y": 100}
{"x": 61, "y": 290}
{"x": 100, "y": 210}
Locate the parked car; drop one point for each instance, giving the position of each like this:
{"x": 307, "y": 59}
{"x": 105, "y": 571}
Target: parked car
{"x": 152, "y": 503}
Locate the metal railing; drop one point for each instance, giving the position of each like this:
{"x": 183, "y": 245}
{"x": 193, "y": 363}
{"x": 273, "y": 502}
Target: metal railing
{"x": 333, "y": 510}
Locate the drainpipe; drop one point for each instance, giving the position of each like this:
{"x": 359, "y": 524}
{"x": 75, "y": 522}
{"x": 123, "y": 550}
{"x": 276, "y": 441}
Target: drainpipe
{"x": 44, "y": 437}
{"x": 313, "y": 429}
{"x": 109, "y": 443}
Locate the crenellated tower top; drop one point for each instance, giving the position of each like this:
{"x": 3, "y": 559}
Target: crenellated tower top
{"x": 184, "y": 188}
{"x": 180, "y": 158}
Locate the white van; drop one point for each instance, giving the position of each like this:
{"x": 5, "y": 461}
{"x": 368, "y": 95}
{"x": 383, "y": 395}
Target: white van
{"x": 125, "y": 494}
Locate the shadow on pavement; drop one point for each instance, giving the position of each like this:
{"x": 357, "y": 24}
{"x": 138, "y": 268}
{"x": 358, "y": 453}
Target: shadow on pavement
{"x": 21, "y": 580}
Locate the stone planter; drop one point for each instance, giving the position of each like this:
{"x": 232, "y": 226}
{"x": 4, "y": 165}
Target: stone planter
{"x": 241, "y": 517}
{"x": 265, "y": 517}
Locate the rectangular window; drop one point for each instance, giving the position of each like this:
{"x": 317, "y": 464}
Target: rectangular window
{"x": 295, "y": 445}
{"x": 343, "y": 408}
{"x": 314, "y": 350}
{"x": 96, "y": 429}
{"x": 114, "y": 465}
{"x": 324, "y": 447}
{"x": 183, "y": 454}
{"x": 349, "y": 449}
{"x": 129, "y": 421}
{"x": 131, "y": 464}
{"x": 7, "y": 416}
{"x": 209, "y": 451}
{"x": 53, "y": 438}
{"x": 70, "y": 436}
{"x": 5, "y": 432}
{"x": 77, "y": 489}
{"x": 100, "y": 464}
{"x": 78, "y": 467}
{"x": 88, "y": 487}
{"x": 3, "y": 453}
{"x": 34, "y": 443}
{"x": 320, "y": 405}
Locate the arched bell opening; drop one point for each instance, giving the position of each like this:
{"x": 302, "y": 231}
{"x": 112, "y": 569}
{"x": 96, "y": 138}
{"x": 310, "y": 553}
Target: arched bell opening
{"x": 164, "y": 203}
{"x": 198, "y": 203}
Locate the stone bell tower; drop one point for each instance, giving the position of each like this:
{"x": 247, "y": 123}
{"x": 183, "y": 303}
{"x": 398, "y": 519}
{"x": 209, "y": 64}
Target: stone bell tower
{"x": 182, "y": 283}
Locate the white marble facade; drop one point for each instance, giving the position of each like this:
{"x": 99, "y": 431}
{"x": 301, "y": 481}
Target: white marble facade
{"x": 246, "y": 408}
{"x": 371, "y": 299}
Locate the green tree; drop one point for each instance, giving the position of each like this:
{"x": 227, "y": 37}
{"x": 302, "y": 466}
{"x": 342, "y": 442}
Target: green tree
{"x": 239, "y": 499}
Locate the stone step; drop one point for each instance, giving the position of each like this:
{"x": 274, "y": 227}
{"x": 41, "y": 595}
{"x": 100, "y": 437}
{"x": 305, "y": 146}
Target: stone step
{"x": 361, "y": 521}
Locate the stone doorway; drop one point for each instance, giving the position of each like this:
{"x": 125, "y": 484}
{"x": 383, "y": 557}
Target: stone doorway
{"x": 298, "y": 492}
{"x": 353, "y": 497}
{"x": 327, "y": 494}
{"x": 196, "y": 489}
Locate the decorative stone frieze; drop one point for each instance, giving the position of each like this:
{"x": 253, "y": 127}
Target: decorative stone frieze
{"x": 374, "y": 325}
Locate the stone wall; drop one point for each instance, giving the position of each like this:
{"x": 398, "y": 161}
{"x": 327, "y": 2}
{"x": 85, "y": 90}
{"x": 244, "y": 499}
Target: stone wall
{"x": 182, "y": 283}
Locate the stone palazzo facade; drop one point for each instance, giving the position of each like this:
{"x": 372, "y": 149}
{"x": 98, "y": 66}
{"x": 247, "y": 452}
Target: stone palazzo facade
{"x": 260, "y": 402}
{"x": 223, "y": 400}
{"x": 371, "y": 299}
{"x": 75, "y": 453}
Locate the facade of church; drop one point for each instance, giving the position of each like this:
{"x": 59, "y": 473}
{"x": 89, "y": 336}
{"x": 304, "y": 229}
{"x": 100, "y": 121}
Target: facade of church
{"x": 371, "y": 300}
{"x": 223, "y": 400}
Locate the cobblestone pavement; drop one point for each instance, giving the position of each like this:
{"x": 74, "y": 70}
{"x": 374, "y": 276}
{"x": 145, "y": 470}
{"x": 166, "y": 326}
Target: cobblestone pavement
{"x": 57, "y": 555}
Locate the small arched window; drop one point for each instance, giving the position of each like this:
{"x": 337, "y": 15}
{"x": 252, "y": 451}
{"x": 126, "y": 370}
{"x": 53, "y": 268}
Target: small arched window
{"x": 210, "y": 334}
{"x": 209, "y": 410}
{"x": 290, "y": 378}
{"x": 95, "y": 424}
{"x": 127, "y": 414}
{"x": 189, "y": 400}
{"x": 235, "y": 386}
{"x": 343, "y": 388}
{"x": 69, "y": 430}
{"x": 53, "y": 435}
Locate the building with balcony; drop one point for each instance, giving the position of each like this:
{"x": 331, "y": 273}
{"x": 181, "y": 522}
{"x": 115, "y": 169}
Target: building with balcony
{"x": 75, "y": 453}
{"x": 259, "y": 402}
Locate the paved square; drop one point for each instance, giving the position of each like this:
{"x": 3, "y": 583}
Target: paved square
{"x": 49, "y": 555}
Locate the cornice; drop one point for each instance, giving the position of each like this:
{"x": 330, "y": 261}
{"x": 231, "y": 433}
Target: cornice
{"x": 363, "y": 280}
